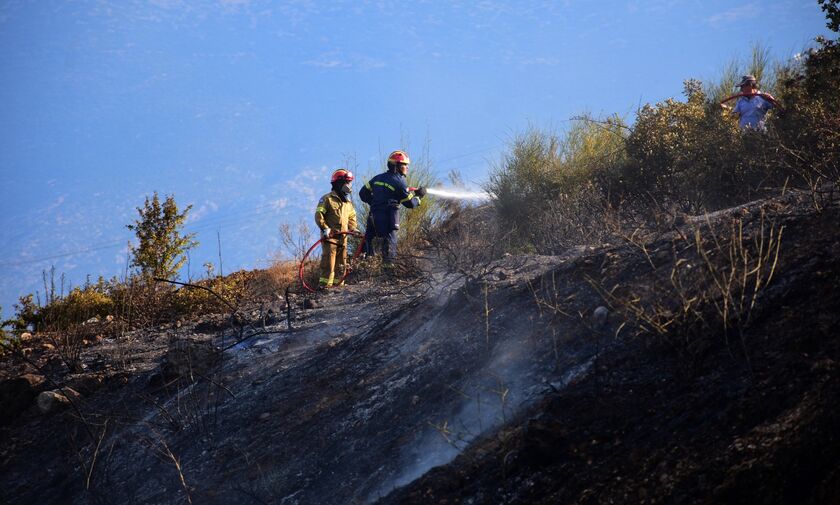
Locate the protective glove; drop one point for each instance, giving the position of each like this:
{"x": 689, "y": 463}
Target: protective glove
{"x": 325, "y": 233}
{"x": 420, "y": 192}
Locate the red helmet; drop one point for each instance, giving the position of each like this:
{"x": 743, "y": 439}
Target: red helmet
{"x": 342, "y": 175}
{"x": 398, "y": 157}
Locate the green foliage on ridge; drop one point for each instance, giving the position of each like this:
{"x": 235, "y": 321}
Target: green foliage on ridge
{"x": 161, "y": 246}
{"x": 679, "y": 156}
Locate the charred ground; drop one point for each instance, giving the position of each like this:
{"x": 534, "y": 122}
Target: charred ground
{"x": 750, "y": 419}
{"x": 508, "y": 387}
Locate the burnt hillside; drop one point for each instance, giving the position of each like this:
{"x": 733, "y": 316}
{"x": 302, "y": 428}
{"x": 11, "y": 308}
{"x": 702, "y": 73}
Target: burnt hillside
{"x": 695, "y": 365}
{"x": 700, "y": 413}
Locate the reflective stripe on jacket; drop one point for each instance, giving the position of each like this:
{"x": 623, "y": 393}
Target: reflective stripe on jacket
{"x": 387, "y": 191}
{"x": 334, "y": 213}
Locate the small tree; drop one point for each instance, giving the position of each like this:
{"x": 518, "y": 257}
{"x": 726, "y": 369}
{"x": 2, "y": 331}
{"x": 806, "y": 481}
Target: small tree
{"x": 161, "y": 248}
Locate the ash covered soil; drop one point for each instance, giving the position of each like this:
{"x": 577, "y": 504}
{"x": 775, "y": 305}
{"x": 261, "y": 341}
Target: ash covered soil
{"x": 512, "y": 388}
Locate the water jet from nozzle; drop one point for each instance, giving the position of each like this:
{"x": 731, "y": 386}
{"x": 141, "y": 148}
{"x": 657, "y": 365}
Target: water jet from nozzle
{"x": 458, "y": 194}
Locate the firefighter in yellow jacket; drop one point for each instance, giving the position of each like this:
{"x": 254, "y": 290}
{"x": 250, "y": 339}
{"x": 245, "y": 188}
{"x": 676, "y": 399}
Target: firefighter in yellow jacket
{"x": 335, "y": 213}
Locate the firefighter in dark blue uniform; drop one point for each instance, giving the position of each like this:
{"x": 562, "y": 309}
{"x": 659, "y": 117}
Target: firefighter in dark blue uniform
{"x": 385, "y": 193}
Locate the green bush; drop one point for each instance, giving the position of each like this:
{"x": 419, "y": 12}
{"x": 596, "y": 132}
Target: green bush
{"x": 64, "y": 312}
{"x": 689, "y": 155}
{"x": 190, "y": 302}
{"x": 526, "y": 177}
{"x": 8, "y": 340}
{"x": 678, "y": 156}
{"x": 550, "y": 190}
{"x": 82, "y": 304}
{"x": 136, "y": 302}
{"x": 807, "y": 135}
{"x": 26, "y": 314}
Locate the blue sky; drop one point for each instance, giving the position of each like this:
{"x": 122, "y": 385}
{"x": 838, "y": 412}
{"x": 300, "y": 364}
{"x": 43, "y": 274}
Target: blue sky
{"x": 243, "y": 107}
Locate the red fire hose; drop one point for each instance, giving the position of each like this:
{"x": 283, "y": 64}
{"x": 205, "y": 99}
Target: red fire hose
{"x": 347, "y": 268}
{"x": 765, "y": 96}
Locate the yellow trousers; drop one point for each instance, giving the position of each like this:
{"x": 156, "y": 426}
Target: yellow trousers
{"x": 333, "y": 262}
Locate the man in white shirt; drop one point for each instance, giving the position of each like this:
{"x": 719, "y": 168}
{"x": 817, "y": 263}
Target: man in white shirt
{"x": 752, "y": 105}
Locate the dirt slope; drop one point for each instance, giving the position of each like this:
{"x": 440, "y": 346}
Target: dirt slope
{"x": 653, "y": 427}
{"x": 514, "y": 386}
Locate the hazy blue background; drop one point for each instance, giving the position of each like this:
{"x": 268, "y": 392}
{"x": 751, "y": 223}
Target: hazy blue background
{"x": 242, "y": 108}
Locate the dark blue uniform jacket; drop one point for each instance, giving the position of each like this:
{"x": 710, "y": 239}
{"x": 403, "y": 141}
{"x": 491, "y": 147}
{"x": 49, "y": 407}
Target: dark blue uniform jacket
{"x": 385, "y": 193}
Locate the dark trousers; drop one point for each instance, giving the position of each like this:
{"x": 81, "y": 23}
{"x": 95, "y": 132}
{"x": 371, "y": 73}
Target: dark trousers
{"x": 370, "y": 234}
{"x": 382, "y": 224}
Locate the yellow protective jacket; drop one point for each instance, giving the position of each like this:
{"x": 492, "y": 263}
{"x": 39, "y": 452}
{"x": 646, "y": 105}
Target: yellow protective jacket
{"x": 334, "y": 213}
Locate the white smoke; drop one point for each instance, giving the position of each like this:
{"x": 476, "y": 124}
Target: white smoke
{"x": 511, "y": 381}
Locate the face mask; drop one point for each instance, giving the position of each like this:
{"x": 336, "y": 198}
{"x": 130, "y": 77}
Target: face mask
{"x": 344, "y": 192}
